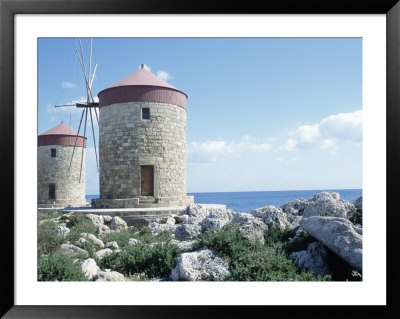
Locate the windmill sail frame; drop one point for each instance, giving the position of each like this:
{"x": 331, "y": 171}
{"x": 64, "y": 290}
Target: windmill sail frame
{"x": 87, "y": 107}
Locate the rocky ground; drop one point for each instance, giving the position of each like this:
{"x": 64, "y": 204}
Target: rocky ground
{"x": 306, "y": 239}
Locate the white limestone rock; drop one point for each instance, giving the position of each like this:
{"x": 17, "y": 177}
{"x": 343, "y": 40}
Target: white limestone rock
{"x": 89, "y": 237}
{"x": 272, "y": 216}
{"x": 169, "y": 220}
{"x": 117, "y": 223}
{"x": 328, "y": 204}
{"x": 157, "y": 228}
{"x": 97, "y": 220}
{"x": 72, "y": 251}
{"x": 180, "y": 218}
{"x": 81, "y": 242}
{"x": 112, "y": 245}
{"x": 107, "y": 218}
{"x": 202, "y": 264}
{"x": 217, "y": 219}
{"x": 313, "y": 259}
{"x": 132, "y": 242}
{"x": 186, "y": 231}
{"x": 277, "y": 219}
{"x": 184, "y": 245}
{"x": 196, "y": 213}
{"x": 250, "y": 227}
{"x": 109, "y": 275}
{"x": 103, "y": 253}
{"x": 62, "y": 231}
{"x": 103, "y": 230}
{"x": 295, "y": 207}
{"x": 90, "y": 268}
{"x": 339, "y": 235}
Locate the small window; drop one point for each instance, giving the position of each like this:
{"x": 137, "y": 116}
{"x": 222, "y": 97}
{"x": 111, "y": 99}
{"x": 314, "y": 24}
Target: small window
{"x": 52, "y": 191}
{"x": 53, "y": 152}
{"x": 145, "y": 114}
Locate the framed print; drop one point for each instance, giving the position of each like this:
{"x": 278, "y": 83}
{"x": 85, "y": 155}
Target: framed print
{"x": 209, "y": 43}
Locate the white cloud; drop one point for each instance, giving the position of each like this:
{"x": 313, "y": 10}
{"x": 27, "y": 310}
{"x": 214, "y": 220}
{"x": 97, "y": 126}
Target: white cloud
{"x": 68, "y": 85}
{"x": 330, "y": 133}
{"x": 164, "y": 75}
{"x": 209, "y": 151}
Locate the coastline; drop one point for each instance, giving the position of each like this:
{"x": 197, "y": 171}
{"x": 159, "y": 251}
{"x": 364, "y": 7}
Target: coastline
{"x": 246, "y": 201}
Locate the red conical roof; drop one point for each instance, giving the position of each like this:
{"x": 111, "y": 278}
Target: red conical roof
{"x": 61, "y": 129}
{"x": 142, "y": 86}
{"x": 61, "y": 135}
{"x": 143, "y": 77}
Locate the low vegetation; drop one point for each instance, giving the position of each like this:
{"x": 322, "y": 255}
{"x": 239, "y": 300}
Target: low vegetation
{"x": 155, "y": 256}
{"x": 141, "y": 233}
{"x": 57, "y": 267}
{"x": 154, "y": 261}
{"x": 356, "y": 217}
{"x": 255, "y": 261}
{"x": 79, "y": 224}
{"x": 48, "y": 241}
{"x": 51, "y": 264}
{"x": 136, "y": 262}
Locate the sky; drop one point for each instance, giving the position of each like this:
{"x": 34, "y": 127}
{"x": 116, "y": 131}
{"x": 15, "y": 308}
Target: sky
{"x": 263, "y": 114}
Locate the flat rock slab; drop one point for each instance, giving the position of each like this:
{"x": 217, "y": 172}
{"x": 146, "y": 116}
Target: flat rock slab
{"x": 339, "y": 235}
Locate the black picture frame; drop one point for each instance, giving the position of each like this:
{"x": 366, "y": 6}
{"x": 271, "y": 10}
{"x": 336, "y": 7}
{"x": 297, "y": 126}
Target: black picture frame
{"x": 8, "y": 10}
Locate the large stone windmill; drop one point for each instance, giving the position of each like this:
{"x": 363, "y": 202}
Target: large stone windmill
{"x": 142, "y": 146}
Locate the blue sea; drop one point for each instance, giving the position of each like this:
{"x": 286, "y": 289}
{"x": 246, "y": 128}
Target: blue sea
{"x": 247, "y": 201}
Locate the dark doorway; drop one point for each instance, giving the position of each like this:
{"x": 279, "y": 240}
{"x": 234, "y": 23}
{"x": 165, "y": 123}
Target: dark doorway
{"x": 52, "y": 191}
{"x": 147, "y": 180}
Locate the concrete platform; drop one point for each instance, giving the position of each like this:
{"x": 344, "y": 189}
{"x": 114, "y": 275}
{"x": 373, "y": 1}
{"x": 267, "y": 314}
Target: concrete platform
{"x": 136, "y": 216}
{"x": 48, "y": 210}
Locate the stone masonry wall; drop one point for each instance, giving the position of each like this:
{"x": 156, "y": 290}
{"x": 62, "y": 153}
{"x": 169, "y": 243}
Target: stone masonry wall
{"x": 127, "y": 142}
{"x": 55, "y": 170}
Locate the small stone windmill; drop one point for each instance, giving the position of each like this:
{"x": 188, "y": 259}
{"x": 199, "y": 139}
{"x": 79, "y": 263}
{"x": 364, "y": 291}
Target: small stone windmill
{"x": 59, "y": 177}
{"x": 61, "y": 152}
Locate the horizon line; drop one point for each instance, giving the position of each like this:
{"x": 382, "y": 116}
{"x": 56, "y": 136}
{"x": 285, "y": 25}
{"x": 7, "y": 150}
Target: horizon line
{"x": 289, "y": 190}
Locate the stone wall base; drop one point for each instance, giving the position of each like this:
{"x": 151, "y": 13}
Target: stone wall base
{"x": 62, "y": 203}
{"x": 142, "y": 202}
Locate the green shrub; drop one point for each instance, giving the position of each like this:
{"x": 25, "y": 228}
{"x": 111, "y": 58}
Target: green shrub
{"x": 59, "y": 267}
{"x": 298, "y": 243}
{"x": 79, "y": 224}
{"x": 254, "y": 262}
{"x": 136, "y": 259}
{"x": 48, "y": 240}
{"x": 162, "y": 259}
{"x": 356, "y": 218}
{"x": 141, "y": 233}
{"x": 144, "y": 235}
{"x": 276, "y": 236}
